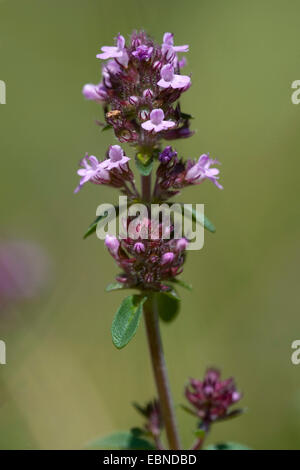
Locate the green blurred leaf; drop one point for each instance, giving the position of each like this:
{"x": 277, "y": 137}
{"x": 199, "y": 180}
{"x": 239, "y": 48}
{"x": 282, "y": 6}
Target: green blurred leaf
{"x": 182, "y": 283}
{"x": 92, "y": 228}
{"x": 115, "y": 286}
{"x": 227, "y": 446}
{"x": 168, "y": 305}
{"x": 187, "y": 409}
{"x": 106, "y": 128}
{"x": 121, "y": 441}
{"x": 185, "y": 116}
{"x": 144, "y": 164}
{"x": 126, "y": 320}
{"x": 201, "y": 219}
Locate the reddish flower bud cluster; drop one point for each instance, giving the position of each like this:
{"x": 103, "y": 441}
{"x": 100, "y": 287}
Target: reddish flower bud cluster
{"x": 212, "y": 397}
{"x": 148, "y": 262}
{"x": 152, "y": 413}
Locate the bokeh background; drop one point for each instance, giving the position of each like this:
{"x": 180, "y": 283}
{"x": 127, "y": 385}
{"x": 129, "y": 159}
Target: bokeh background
{"x": 64, "y": 383}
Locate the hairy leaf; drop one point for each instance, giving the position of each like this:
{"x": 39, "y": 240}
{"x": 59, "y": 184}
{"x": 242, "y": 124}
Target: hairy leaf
{"x": 126, "y": 320}
{"x": 168, "y": 305}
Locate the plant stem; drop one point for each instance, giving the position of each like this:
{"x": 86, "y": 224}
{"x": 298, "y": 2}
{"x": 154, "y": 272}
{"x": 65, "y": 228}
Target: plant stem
{"x": 146, "y": 188}
{"x": 160, "y": 372}
{"x": 156, "y": 352}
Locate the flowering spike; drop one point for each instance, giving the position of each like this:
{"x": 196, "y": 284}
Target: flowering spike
{"x": 139, "y": 92}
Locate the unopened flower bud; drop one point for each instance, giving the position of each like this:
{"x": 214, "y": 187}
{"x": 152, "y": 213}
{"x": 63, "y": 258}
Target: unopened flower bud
{"x": 112, "y": 244}
{"x": 148, "y": 93}
{"x": 182, "y": 244}
{"x": 143, "y": 114}
{"x": 167, "y": 258}
{"x": 139, "y": 247}
{"x": 133, "y": 100}
{"x": 167, "y": 154}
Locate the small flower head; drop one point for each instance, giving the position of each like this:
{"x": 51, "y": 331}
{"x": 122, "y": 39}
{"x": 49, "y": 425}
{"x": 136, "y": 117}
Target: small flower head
{"x": 143, "y": 52}
{"x": 170, "y": 79}
{"x": 212, "y": 398}
{"x": 156, "y": 122}
{"x": 92, "y": 171}
{"x": 169, "y": 50}
{"x": 117, "y": 158}
{"x": 112, "y": 244}
{"x": 152, "y": 413}
{"x": 202, "y": 170}
{"x": 168, "y": 40}
{"x": 167, "y": 154}
{"x": 95, "y": 92}
{"x": 117, "y": 52}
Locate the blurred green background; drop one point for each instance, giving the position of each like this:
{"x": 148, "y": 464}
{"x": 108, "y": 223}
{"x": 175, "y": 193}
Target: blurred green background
{"x": 64, "y": 383}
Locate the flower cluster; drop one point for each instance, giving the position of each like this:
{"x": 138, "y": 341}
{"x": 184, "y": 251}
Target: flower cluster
{"x": 140, "y": 87}
{"x": 140, "y": 83}
{"x": 147, "y": 262}
{"x": 113, "y": 171}
{"x": 154, "y": 421}
{"x": 173, "y": 173}
{"x": 212, "y": 398}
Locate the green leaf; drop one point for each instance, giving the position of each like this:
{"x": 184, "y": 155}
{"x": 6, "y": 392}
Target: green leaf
{"x": 185, "y": 116}
{"x": 227, "y": 446}
{"x": 92, "y": 228}
{"x": 115, "y": 286}
{"x": 126, "y": 320}
{"x": 201, "y": 219}
{"x": 187, "y": 409}
{"x": 144, "y": 164}
{"x": 106, "y": 128}
{"x": 168, "y": 305}
{"x": 182, "y": 283}
{"x": 121, "y": 441}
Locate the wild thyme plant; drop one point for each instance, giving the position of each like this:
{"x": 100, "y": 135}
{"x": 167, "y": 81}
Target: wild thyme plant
{"x": 139, "y": 91}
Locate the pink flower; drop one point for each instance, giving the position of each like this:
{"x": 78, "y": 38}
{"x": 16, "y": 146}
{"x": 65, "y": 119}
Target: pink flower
{"x": 94, "y": 92}
{"x": 112, "y": 244}
{"x": 156, "y": 122}
{"x": 213, "y": 397}
{"x": 169, "y": 50}
{"x": 182, "y": 244}
{"x": 167, "y": 258}
{"x": 168, "y": 40}
{"x": 116, "y": 159}
{"x": 143, "y": 52}
{"x": 92, "y": 171}
{"x": 133, "y": 100}
{"x": 115, "y": 52}
{"x": 139, "y": 247}
{"x": 148, "y": 93}
{"x": 111, "y": 68}
{"x": 170, "y": 79}
{"x": 201, "y": 171}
